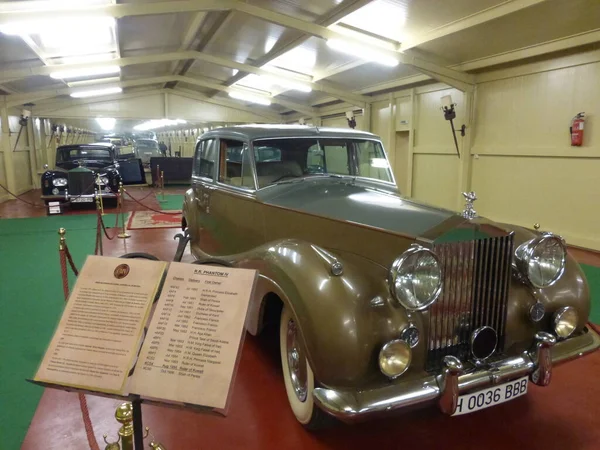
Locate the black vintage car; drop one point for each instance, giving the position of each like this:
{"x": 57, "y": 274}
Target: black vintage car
{"x": 81, "y": 170}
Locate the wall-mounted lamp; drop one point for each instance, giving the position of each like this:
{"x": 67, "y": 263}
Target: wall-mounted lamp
{"x": 450, "y": 114}
{"x": 351, "y": 119}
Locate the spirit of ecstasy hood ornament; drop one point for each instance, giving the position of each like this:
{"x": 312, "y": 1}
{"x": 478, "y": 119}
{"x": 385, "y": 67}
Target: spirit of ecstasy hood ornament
{"x": 469, "y": 212}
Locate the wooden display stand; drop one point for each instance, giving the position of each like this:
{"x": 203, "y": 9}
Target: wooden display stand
{"x": 151, "y": 332}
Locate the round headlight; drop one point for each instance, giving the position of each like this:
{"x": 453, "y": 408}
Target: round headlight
{"x": 104, "y": 180}
{"x": 59, "y": 182}
{"x": 416, "y": 278}
{"x": 394, "y": 358}
{"x": 565, "y": 322}
{"x": 542, "y": 260}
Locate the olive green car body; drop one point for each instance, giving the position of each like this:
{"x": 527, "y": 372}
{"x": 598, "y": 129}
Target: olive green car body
{"x": 292, "y": 233}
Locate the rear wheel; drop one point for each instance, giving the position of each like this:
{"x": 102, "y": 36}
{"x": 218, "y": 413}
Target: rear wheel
{"x": 297, "y": 374}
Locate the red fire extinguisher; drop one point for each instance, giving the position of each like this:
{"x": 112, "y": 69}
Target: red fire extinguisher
{"x": 577, "y": 130}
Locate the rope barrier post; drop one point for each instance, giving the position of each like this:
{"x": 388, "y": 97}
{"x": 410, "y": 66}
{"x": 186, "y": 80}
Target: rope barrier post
{"x": 62, "y": 245}
{"x": 98, "y": 183}
{"x": 123, "y": 234}
{"x": 162, "y": 188}
{"x": 99, "y": 248}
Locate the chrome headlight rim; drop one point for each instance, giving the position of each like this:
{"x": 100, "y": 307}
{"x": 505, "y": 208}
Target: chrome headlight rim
{"x": 386, "y": 352}
{"x": 395, "y": 269}
{"x": 524, "y": 253}
{"x": 59, "y": 182}
{"x": 560, "y": 316}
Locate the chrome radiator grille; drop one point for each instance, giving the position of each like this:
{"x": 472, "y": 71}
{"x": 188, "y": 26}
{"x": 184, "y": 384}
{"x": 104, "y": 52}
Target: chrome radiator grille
{"x": 475, "y": 294}
{"x": 80, "y": 181}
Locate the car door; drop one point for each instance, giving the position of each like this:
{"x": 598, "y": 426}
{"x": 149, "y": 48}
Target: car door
{"x": 235, "y": 214}
{"x": 203, "y": 176}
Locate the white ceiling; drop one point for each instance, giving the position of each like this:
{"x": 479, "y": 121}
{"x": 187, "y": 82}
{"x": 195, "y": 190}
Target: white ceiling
{"x": 445, "y": 33}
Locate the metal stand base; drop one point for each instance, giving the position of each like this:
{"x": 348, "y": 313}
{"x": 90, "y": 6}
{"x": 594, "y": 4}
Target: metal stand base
{"x": 123, "y": 235}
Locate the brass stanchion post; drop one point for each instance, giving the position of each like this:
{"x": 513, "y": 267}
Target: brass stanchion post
{"x": 123, "y": 234}
{"x": 98, "y": 181}
{"x": 99, "y": 230}
{"x": 124, "y": 415}
{"x": 161, "y": 183}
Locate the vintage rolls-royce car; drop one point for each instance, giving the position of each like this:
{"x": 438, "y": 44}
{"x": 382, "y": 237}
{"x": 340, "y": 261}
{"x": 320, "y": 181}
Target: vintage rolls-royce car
{"x": 81, "y": 170}
{"x": 383, "y": 303}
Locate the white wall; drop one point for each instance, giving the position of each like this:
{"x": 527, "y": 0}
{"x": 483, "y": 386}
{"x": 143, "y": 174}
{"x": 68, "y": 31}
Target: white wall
{"x": 516, "y": 155}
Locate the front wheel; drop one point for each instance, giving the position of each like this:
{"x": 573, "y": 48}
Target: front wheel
{"x": 297, "y": 374}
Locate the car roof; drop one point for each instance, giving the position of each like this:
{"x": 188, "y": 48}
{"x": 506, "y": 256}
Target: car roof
{"x": 93, "y": 144}
{"x": 252, "y": 132}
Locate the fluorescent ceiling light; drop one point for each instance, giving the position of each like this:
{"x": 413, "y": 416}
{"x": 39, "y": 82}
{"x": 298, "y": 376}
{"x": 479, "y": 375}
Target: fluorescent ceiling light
{"x": 97, "y": 92}
{"x": 87, "y": 59}
{"x": 159, "y": 123}
{"x": 85, "y": 72}
{"x": 250, "y": 98}
{"x": 287, "y": 83}
{"x": 363, "y": 52}
{"x": 59, "y": 27}
{"x": 106, "y": 123}
{"x": 107, "y": 80}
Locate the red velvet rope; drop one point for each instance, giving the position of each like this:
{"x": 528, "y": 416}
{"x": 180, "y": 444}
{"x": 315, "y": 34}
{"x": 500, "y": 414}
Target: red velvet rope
{"x": 85, "y": 413}
{"x": 37, "y": 205}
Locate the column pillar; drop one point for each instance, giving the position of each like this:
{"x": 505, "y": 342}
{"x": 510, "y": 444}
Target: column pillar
{"x": 43, "y": 143}
{"x": 35, "y": 182}
{"x": 9, "y": 166}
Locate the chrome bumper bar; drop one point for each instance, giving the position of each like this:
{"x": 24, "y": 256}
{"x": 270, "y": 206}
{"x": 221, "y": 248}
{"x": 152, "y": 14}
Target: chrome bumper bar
{"x": 355, "y": 406}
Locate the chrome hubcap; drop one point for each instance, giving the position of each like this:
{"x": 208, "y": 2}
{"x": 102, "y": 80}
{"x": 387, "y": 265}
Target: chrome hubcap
{"x": 296, "y": 362}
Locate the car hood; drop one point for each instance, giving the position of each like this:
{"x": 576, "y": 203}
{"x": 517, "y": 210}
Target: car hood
{"x": 91, "y": 164}
{"x": 362, "y": 203}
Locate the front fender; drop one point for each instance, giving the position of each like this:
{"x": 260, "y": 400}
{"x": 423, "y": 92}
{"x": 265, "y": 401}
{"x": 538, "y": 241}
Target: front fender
{"x": 344, "y": 320}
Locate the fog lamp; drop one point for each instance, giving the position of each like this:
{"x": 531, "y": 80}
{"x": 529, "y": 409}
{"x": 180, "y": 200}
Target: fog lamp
{"x": 565, "y": 322}
{"x": 394, "y": 358}
{"x": 55, "y": 191}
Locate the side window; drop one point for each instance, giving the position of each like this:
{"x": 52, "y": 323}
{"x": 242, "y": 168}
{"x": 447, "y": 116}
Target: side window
{"x": 204, "y": 158}
{"x": 336, "y": 157}
{"x": 235, "y": 164}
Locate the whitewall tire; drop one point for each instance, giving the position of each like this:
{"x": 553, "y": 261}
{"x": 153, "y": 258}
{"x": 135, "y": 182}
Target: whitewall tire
{"x": 297, "y": 374}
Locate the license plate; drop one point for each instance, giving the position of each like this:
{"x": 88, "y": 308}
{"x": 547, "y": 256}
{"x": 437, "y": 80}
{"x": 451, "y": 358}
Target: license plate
{"x": 82, "y": 200}
{"x": 469, "y": 403}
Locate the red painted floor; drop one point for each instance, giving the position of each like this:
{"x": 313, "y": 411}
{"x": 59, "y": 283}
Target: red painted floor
{"x": 563, "y": 416}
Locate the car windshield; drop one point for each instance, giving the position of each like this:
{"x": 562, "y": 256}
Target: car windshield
{"x": 147, "y": 145}
{"x": 280, "y": 159}
{"x": 73, "y": 154}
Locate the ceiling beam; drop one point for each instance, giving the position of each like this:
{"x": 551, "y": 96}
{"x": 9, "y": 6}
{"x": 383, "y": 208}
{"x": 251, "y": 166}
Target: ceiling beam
{"x": 19, "y": 99}
{"x": 329, "y": 88}
{"x": 343, "y": 9}
{"x": 178, "y": 6}
{"x": 44, "y": 109}
{"x": 48, "y": 109}
{"x": 304, "y": 109}
{"x": 275, "y": 118}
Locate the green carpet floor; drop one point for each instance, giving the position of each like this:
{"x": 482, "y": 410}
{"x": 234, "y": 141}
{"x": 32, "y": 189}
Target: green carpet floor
{"x": 32, "y": 302}
{"x": 172, "y": 201}
{"x": 593, "y": 277}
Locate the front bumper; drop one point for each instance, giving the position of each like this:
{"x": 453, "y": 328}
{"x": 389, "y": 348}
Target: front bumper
{"x": 69, "y": 197}
{"x": 355, "y": 406}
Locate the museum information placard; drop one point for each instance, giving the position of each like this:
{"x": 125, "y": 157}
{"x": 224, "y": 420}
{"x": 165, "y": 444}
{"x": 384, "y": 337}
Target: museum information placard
{"x": 96, "y": 339}
{"x": 193, "y": 342}
{"x": 190, "y": 352}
